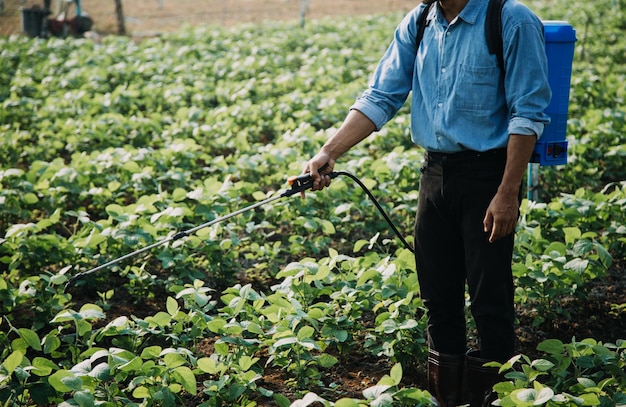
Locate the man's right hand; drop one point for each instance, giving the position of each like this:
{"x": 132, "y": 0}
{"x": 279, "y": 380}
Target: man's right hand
{"x": 320, "y": 180}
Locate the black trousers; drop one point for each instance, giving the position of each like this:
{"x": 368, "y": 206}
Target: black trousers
{"x": 452, "y": 249}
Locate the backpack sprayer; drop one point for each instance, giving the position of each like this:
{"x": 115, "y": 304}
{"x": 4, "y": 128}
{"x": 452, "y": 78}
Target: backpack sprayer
{"x": 299, "y": 183}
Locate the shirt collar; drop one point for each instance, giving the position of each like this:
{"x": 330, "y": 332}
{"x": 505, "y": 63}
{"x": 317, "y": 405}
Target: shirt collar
{"x": 469, "y": 14}
{"x": 472, "y": 9}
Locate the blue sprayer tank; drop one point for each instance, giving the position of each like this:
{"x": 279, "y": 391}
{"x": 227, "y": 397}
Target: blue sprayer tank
{"x": 551, "y": 148}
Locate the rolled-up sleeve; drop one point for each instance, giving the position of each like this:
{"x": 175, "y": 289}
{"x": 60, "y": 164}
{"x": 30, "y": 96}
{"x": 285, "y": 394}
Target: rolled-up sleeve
{"x": 526, "y": 81}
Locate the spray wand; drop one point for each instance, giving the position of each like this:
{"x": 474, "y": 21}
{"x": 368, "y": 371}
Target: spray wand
{"x": 298, "y": 183}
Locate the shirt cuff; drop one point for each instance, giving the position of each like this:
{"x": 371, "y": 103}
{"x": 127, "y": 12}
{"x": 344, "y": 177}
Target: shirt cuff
{"x": 525, "y": 127}
{"x": 372, "y": 112}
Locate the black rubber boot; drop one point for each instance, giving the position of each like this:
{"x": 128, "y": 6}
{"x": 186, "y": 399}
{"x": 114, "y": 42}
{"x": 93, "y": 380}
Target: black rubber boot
{"x": 445, "y": 378}
{"x": 480, "y": 381}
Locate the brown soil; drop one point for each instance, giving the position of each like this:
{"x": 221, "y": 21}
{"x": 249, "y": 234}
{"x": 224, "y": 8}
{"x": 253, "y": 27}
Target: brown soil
{"x": 148, "y": 17}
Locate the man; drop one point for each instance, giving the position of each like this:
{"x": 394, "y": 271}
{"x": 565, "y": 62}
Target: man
{"x": 478, "y": 126}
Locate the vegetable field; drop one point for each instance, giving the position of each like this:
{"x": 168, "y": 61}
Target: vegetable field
{"x": 107, "y": 147}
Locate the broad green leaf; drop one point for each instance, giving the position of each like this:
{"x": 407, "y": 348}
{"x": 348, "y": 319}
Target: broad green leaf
{"x": 345, "y": 207}
{"x": 101, "y": 371}
{"x": 571, "y": 234}
{"x": 345, "y": 402}
{"x": 83, "y": 327}
{"x": 410, "y": 396}
{"x": 328, "y": 227}
{"x": 114, "y": 210}
{"x": 141, "y": 392}
{"x": 309, "y": 344}
{"x": 91, "y": 311}
{"x": 187, "y": 379}
{"x": 82, "y": 368}
{"x": 542, "y": 365}
{"x": 161, "y": 319}
{"x": 586, "y": 382}
{"x": 43, "y": 367}
{"x": 114, "y": 186}
{"x": 65, "y": 381}
{"x": 50, "y": 344}
{"x": 30, "y": 198}
{"x": 578, "y": 265}
{"x": 396, "y": 373}
{"x": 131, "y": 365}
{"x": 306, "y": 332}
{"x": 259, "y": 195}
{"x": 31, "y": 338}
{"x": 84, "y": 399}
{"x": 366, "y": 276}
{"x": 209, "y": 365}
{"x": 408, "y": 324}
{"x": 172, "y": 306}
{"x": 254, "y": 328}
{"x": 384, "y": 400}
{"x": 325, "y": 360}
{"x": 216, "y": 325}
{"x": 556, "y": 247}
{"x": 307, "y": 400}
{"x": 374, "y": 392}
{"x": 151, "y": 352}
{"x": 179, "y": 194}
{"x": 525, "y": 395}
{"x": 246, "y": 362}
{"x": 13, "y": 361}
{"x": 132, "y": 167}
{"x": 360, "y": 244}
{"x": 283, "y": 401}
{"x": 604, "y": 255}
{"x": 285, "y": 341}
{"x": 551, "y": 346}
{"x": 544, "y": 396}
{"x": 590, "y": 399}
{"x": 221, "y": 348}
{"x": 64, "y": 316}
{"x": 173, "y": 360}
{"x": 58, "y": 279}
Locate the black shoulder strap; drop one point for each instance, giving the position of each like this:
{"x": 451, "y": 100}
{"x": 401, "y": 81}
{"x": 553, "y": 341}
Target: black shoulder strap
{"x": 421, "y": 22}
{"x": 493, "y": 30}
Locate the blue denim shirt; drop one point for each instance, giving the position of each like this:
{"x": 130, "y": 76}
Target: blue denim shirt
{"x": 459, "y": 99}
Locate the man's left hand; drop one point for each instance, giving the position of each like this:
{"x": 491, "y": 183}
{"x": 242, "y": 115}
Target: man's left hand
{"x": 501, "y": 217}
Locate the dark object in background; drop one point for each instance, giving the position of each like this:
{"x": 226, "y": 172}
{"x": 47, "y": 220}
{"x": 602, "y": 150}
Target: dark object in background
{"x": 37, "y": 23}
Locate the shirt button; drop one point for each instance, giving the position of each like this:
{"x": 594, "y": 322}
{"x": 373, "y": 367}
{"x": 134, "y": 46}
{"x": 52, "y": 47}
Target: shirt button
{"x": 443, "y": 70}
{"x": 439, "y": 104}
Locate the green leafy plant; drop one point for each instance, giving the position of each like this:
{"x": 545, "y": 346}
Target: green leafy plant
{"x": 581, "y": 373}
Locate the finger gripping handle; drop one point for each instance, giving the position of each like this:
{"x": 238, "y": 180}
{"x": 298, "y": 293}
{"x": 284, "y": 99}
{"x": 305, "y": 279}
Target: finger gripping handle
{"x": 303, "y": 182}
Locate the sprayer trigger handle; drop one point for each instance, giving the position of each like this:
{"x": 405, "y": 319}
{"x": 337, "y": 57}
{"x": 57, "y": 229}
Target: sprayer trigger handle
{"x": 304, "y": 179}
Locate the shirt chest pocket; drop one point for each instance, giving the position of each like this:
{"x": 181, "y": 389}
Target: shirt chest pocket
{"x": 476, "y": 88}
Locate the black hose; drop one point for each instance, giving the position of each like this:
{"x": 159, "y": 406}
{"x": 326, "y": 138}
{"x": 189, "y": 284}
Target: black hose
{"x": 380, "y": 208}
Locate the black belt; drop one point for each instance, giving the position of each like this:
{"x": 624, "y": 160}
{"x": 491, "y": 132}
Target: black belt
{"x": 465, "y": 155}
